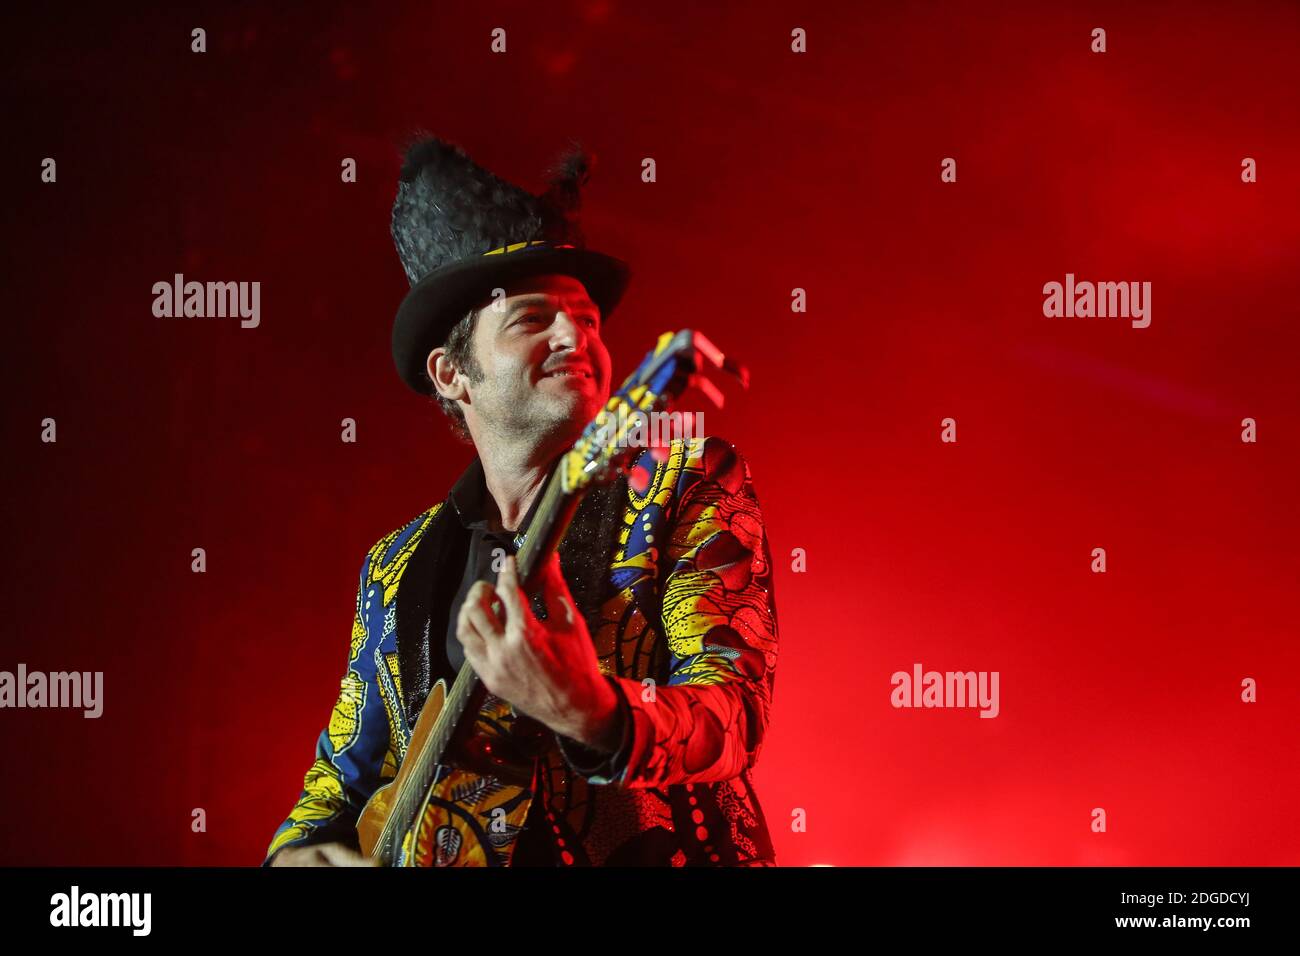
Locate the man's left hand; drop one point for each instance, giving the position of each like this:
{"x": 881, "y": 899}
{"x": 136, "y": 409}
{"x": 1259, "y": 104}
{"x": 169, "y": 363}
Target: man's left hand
{"x": 545, "y": 669}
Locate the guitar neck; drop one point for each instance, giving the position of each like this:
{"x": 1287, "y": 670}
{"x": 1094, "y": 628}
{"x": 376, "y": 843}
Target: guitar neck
{"x": 550, "y": 522}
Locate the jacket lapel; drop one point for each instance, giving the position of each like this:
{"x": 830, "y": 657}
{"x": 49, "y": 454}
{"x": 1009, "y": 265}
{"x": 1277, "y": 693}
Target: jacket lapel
{"x": 422, "y": 601}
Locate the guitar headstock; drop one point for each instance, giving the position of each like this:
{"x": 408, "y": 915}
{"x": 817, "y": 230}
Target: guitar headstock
{"x": 678, "y": 361}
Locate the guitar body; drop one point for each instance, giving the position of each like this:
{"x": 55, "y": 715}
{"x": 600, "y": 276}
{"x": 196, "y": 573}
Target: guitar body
{"x": 473, "y": 805}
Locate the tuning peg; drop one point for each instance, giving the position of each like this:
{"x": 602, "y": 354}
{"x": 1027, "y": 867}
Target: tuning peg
{"x": 710, "y": 391}
{"x": 739, "y": 371}
{"x": 704, "y": 346}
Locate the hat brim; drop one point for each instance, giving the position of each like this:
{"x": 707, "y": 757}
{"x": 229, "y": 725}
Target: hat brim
{"x": 438, "y": 301}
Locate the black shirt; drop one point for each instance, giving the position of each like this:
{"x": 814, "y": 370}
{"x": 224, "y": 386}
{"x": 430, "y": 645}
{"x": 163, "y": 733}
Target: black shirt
{"x": 533, "y": 846}
{"x": 484, "y": 546}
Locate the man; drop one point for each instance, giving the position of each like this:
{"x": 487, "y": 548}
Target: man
{"x": 649, "y": 652}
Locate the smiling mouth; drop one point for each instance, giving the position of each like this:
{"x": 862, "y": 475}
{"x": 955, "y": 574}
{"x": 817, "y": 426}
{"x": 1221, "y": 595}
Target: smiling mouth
{"x": 570, "y": 372}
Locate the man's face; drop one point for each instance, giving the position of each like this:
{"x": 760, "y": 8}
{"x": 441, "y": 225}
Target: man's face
{"x": 545, "y": 369}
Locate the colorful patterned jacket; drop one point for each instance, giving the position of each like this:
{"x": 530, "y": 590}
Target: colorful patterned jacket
{"x": 683, "y": 617}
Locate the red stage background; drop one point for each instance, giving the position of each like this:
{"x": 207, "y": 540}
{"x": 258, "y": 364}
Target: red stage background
{"x": 775, "y": 171}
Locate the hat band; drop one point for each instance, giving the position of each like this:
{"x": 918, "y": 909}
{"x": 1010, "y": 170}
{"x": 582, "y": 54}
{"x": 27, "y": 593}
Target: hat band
{"x": 516, "y": 246}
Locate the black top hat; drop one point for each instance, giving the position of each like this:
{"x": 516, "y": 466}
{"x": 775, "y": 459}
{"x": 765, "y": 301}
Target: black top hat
{"x": 460, "y": 232}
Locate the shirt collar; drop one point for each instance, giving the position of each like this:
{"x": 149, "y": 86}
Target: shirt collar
{"x": 468, "y": 497}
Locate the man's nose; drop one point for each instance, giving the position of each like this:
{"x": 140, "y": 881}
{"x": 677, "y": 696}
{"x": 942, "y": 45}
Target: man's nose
{"x": 568, "y": 332}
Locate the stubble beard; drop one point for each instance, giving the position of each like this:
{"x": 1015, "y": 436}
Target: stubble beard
{"x": 535, "y": 420}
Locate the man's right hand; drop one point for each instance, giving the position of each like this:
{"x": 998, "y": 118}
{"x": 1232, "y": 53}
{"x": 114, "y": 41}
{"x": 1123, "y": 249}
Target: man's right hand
{"x": 321, "y": 854}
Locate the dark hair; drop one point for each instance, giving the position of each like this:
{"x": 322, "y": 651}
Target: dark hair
{"x": 460, "y": 351}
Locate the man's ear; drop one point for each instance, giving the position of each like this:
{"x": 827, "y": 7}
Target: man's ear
{"x": 446, "y": 377}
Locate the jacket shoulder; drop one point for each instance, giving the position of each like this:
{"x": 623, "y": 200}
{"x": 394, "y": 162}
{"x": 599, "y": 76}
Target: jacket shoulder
{"x": 707, "y": 457}
{"x": 388, "y": 556}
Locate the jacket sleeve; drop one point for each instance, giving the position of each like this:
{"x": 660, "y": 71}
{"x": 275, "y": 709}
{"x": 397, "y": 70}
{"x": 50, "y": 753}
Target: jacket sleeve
{"x": 719, "y": 621}
{"x": 349, "y": 751}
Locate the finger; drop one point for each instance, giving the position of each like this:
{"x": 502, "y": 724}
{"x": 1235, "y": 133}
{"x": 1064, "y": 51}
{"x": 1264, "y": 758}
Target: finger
{"x": 486, "y": 626}
{"x": 477, "y": 624}
{"x": 470, "y": 629}
{"x": 556, "y": 589}
{"x": 484, "y": 595}
{"x": 490, "y": 602}
{"x": 477, "y": 590}
{"x": 512, "y": 598}
{"x": 339, "y": 855}
{"x": 472, "y": 596}
{"x": 570, "y": 614}
{"x": 471, "y": 641}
